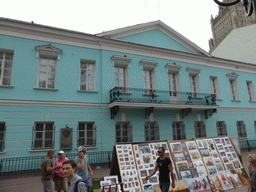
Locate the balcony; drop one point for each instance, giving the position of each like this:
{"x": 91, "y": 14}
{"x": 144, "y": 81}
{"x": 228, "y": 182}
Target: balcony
{"x": 144, "y": 98}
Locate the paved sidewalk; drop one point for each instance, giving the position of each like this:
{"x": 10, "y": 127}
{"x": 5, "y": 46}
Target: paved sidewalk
{"x": 33, "y": 183}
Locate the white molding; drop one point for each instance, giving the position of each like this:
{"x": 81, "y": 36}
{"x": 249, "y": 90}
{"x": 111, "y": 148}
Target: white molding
{"x": 72, "y": 38}
{"x": 48, "y": 49}
{"x": 173, "y": 67}
{"x": 193, "y": 70}
{"x": 148, "y": 63}
{"x": 232, "y": 75}
{"x": 52, "y": 104}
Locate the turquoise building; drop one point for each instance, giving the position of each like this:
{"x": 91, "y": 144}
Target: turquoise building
{"x": 60, "y": 89}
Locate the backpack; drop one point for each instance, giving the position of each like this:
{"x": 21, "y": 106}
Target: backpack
{"x": 89, "y": 188}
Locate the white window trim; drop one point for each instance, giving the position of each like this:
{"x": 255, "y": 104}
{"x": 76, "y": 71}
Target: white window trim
{"x": 239, "y": 130}
{"x": 94, "y": 75}
{"x": 48, "y": 49}
{"x": 38, "y": 78}
{"x": 251, "y": 91}
{"x": 216, "y": 87}
{"x": 233, "y": 77}
{"x": 150, "y": 64}
{"x": 220, "y": 128}
{"x": 150, "y": 129}
{"x": 119, "y": 61}
{"x": 5, "y": 51}
{"x": 152, "y": 78}
{"x": 85, "y": 133}
{"x": 129, "y": 130}
{"x": 43, "y": 135}
{"x": 195, "y": 73}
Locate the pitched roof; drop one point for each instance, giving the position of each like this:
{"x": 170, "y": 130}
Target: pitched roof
{"x": 239, "y": 45}
{"x": 139, "y": 28}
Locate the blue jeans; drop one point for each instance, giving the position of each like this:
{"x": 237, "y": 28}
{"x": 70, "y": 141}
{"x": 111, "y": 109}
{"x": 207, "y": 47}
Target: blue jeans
{"x": 164, "y": 187}
{"x": 87, "y": 181}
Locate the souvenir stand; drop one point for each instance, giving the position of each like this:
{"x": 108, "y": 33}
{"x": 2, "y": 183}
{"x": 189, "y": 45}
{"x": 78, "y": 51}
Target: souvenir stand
{"x": 201, "y": 164}
{"x": 133, "y": 162}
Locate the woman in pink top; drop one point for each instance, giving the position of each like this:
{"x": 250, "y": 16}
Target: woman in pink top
{"x": 61, "y": 182}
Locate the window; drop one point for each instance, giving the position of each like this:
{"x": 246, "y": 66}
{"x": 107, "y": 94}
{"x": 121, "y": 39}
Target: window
{"x": 222, "y": 129}
{"x": 121, "y": 64}
{"x": 250, "y": 90}
{"x": 87, "y": 76}
{"x": 149, "y": 68}
{"x": 123, "y": 132}
{"x": 120, "y": 77}
{"x": 174, "y": 82}
{"x": 200, "y": 129}
{"x": 241, "y": 129}
{"x": 47, "y": 71}
{"x": 2, "y": 133}
{"x": 233, "y": 86}
{"x": 48, "y": 56}
{"x": 215, "y": 87}
{"x": 178, "y": 130}
{"x": 43, "y": 135}
{"x": 151, "y": 131}
{"x": 148, "y": 80}
{"x": 87, "y": 134}
{"x": 6, "y": 60}
{"x": 194, "y": 81}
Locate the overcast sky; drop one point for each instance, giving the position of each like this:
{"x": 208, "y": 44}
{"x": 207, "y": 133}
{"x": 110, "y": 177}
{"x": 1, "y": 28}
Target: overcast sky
{"x": 191, "y": 18}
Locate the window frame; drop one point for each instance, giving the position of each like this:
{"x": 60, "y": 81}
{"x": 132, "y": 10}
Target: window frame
{"x": 43, "y": 147}
{"x": 221, "y": 125}
{"x": 241, "y": 129}
{"x": 151, "y": 67}
{"x": 215, "y": 86}
{"x": 52, "y": 57}
{"x": 194, "y": 81}
{"x": 201, "y": 128}
{"x": 2, "y": 132}
{"x": 232, "y": 77}
{"x": 3, "y": 67}
{"x": 129, "y": 131}
{"x": 88, "y": 62}
{"x": 251, "y": 92}
{"x": 181, "y": 129}
{"x": 153, "y": 131}
{"x": 93, "y": 138}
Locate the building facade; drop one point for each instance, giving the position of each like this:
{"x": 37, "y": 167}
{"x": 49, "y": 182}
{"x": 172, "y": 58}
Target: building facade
{"x": 228, "y": 18}
{"x": 60, "y": 89}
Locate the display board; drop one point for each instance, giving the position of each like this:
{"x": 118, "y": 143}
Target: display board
{"x": 197, "y": 165}
{"x": 128, "y": 169}
{"x": 187, "y": 159}
{"x": 145, "y": 156}
{"x": 210, "y": 156}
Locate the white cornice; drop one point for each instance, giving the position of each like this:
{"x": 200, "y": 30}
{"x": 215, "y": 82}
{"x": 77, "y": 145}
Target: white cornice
{"x": 232, "y": 75}
{"x": 121, "y": 59}
{"x": 52, "y": 104}
{"x": 193, "y": 70}
{"x": 55, "y": 35}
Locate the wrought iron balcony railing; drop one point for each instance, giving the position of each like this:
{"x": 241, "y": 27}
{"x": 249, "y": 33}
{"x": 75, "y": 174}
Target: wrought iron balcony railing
{"x": 122, "y": 94}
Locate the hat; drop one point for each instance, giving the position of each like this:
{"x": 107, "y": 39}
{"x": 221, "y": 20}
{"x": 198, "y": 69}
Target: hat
{"x": 81, "y": 148}
{"x": 61, "y": 151}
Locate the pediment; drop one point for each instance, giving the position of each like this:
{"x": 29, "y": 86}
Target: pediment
{"x": 125, "y": 33}
{"x": 232, "y": 75}
{"x": 48, "y": 49}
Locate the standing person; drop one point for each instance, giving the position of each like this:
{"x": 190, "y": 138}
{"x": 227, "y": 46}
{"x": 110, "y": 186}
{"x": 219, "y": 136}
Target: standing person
{"x": 47, "y": 172}
{"x": 252, "y": 172}
{"x": 60, "y": 181}
{"x": 69, "y": 171}
{"x": 164, "y": 164}
{"x": 83, "y": 167}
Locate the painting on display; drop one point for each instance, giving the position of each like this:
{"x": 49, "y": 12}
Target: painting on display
{"x": 146, "y": 156}
{"x": 127, "y": 166}
{"x": 227, "y": 153}
{"x": 210, "y": 156}
{"x": 187, "y": 159}
{"x": 199, "y": 184}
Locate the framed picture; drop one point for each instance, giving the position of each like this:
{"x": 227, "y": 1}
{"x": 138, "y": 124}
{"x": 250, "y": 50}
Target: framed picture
{"x": 113, "y": 179}
{"x": 196, "y": 184}
{"x": 182, "y": 165}
{"x": 176, "y": 147}
{"x": 144, "y": 149}
{"x": 195, "y": 155}
{"x": 179, "y": 157}
{"x": 191, "y": 146}
{"x": 204, "y": 152}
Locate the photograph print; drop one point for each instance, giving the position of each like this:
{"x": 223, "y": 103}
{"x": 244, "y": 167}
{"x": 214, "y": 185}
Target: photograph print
{"x": 176, "y": 147}
{"x": 179, "y": 157}
{"x": 144, "y": 149}
{"x": 199, "y": 184}
{"x": 204, "y": 152}
{"x": 195, "y": 155}
{"x": 191, "y": 145}
{"x": 185, "y": 174}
